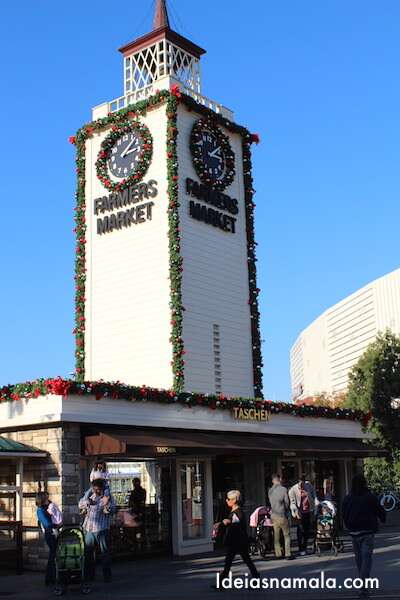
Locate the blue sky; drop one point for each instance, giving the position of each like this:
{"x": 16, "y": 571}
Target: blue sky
{"x": 317, "y": 80}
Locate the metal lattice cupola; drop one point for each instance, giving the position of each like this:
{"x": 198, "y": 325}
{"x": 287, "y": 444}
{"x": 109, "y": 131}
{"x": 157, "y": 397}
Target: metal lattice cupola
{"x": 159, "y": 54}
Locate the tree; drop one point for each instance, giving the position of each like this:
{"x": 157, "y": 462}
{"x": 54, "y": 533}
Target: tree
{"x": 374, "y": 387}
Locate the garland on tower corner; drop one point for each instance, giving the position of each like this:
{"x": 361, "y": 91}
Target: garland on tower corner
{"x": 132, "y": 112}
{"x": 97, "y": 390}
{"x": 175, "y": 258}
{"x": 252, "y": 269}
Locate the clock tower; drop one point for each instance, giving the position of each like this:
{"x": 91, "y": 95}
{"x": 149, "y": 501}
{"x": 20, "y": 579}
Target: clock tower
{"x": 166, "y": 292}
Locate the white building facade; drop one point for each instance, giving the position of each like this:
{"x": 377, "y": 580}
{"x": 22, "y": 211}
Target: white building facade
{"x": 324, "y": 352}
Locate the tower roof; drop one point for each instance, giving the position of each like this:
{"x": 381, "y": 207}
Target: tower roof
{"x": 160, "y": 15}
{"x": 161, "y": 30}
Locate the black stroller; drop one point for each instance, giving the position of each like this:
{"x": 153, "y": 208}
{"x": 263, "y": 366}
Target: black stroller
{"x": 326, "y": 530}
{"x": 263, "y": 541}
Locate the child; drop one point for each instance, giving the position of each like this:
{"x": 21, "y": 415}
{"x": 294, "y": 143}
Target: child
{"x": 54, "y": 512}
{"x": 99, "y": 471}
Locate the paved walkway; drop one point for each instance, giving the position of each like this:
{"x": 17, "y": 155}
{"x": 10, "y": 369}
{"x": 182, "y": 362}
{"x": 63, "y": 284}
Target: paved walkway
{"x": 191, "y": 578}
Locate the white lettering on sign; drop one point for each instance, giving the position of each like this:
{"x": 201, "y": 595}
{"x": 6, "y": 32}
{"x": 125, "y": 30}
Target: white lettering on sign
{"x": 165, "y": 450}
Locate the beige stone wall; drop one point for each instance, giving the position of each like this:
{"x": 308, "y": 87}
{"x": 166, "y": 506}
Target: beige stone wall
{"x": 58, "y": 474}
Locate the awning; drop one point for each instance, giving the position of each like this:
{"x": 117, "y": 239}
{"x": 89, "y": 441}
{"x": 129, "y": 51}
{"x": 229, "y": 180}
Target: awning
{"x": 11, "y": 448}
{"x": 148, "y": 442}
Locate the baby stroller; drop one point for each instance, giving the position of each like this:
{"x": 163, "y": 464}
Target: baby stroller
{"x": 326, "y": 533}
{"x": 70, "y": 559}
{"x": 263, "y": 541}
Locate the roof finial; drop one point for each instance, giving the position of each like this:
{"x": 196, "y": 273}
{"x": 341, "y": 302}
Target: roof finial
{"x": 160, "y": 15}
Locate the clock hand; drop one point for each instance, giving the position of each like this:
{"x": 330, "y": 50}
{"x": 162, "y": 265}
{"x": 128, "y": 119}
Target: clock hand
{"x": 129, "y": 149}
{"x": 215, "y": 153}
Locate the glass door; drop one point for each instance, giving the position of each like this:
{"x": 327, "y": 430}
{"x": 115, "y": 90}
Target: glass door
{"x": 142, "y": 492}
{"x": 192, "y": 499}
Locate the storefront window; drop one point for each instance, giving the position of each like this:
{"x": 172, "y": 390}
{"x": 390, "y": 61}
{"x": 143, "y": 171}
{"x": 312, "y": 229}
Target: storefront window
{"x": 192, "y": 485}
{"x": 290, "y": 472}
{"x": 308, "y": 469}
{"x": 327, "y": 480}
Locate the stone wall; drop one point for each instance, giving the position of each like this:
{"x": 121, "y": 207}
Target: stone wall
{"x": 58, "y": 474}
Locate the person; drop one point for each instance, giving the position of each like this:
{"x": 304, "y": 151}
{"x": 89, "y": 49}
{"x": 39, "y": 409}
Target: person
{"x": 236, "y": 539}
{"x": 280, "y": 505}
{"x": 137, "y": 502}
{"x": 137, "y": 498}
{"x": 46, "y": 523}
{"x": 329, "y": 487}
{"x": 96, "y": 527}
{"x": 361, "y": 511}
{"x": 54, "y": 512}
{"x": 99, "y": 471}
{"x": 302, "y": 506}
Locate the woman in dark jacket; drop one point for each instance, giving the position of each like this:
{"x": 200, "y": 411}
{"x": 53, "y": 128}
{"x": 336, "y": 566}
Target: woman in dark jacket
{"x": 236, "y": 539}
{"x": 361, "y": 510}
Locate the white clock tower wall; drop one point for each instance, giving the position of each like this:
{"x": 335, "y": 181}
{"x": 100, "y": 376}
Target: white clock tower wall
{"x": 215, "y": 289}
{"x": 127, "y": 288}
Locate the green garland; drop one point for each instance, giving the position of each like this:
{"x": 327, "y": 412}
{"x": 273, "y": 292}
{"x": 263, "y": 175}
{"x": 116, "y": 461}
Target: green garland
{"x": 171, "y": 99}
{"x": 144, "y": 158}
{"x": 116, "y": 391}
{"x": 252, "y": 269}
{"x": 175, "y": 258}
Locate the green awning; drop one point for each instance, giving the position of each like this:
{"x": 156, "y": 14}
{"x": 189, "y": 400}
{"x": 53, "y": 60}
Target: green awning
{"x": 12, "y": 448}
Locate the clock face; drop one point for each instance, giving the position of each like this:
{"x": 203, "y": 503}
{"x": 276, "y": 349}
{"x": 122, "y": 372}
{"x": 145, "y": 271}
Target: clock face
{"x": 212, "y": 154}
{"x": 213, "y": 157}
{"x": 125, "y": 155}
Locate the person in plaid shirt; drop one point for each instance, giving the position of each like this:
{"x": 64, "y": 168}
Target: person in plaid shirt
{"x": 97, "y": 528}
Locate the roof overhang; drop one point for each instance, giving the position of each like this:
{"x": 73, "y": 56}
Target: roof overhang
{"x": 158, "y": 35}
{"x": 153, "y": 442}
{"x": 4, "y": 455}
{"x": 13, "y": 449}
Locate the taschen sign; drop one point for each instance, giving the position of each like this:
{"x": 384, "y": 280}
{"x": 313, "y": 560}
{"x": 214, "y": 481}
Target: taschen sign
{"x": 251, "y": 414}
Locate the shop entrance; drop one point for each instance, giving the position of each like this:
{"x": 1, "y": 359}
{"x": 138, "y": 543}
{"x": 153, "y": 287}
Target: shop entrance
{"x": 142, "y": 491}
{"x": 327, "y": 480}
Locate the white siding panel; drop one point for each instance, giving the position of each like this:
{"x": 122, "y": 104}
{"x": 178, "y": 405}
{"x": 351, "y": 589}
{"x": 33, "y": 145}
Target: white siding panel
{"x": 127, "y": 308}
{"x": 215, "y": 284}
{"x": 351, "y": 325}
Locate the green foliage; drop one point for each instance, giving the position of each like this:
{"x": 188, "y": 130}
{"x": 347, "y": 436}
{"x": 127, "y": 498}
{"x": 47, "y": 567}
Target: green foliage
{"x": 374, "y": 387}
{"x": 383, "y": 474}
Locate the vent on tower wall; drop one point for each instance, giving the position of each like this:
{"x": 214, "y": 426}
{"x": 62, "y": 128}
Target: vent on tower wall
{"x": 217, "y": 359}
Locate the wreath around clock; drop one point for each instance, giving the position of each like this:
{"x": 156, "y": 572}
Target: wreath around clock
{"x": 229, "y": 157}
{"x": 144, "y": 158}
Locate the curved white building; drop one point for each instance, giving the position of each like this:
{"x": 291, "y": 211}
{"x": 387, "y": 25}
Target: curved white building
{"x": 325, "y": 351}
